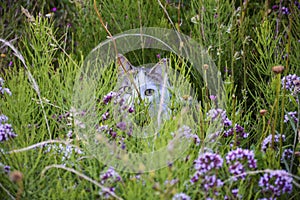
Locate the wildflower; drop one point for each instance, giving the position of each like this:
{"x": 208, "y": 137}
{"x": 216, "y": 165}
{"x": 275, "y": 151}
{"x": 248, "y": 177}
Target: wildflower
{"x": 239, "y": 131}
{"x": 6, "y": 130}
{"x": 181, "y": 196}
{"x": 276, "y": 182}
{"x": 213, "y": 97}
{"x": 210, "y": 182}
{"x": 4, "y": 168}
{"x": 4, "y": 90}
{"x": 268, "y": 140}
{"x": 186, "y": 131}
{"x": 287, "y": 154}
{"x": 292, "y": 115}
{"x": 107, "y": 98}
{"x": 297, "y": 4}
{"x": 236, "y": 158}
{"x": 291, "y": 81}
{"x": 66, "y": 151}
{"x": 171, "y": 182}
{"x": 110, "y": 176}
{"x": 130, "y": 109}
{"x": 54, "y": 9}
{"x": 105, "y": 116}
{"x": 208, "y": 161}
{"x": 70, "y": 134}
{"x": 107, "y": 194}
{"x": 235, "y": 193}
{"x": 216, "y": 114}
{"x": 121, "y": 125}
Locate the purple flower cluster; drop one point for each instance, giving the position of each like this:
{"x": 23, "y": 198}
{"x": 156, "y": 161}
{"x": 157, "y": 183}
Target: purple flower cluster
{"x": 297, "y": 4}
{"x": 287, "y": 154}
{"x": 187, "y": 132}
{"x": 284, "y": 10}
{"x": 219, "y": 114}
{"x": 210, "y": 182}
{"x": 268, "y": 140}
{"x": 237, "y": 160}
{"x": 205, "y": 166}
{"x": 122, "y": 109}
{"x": 6, "y": 130}
{"x": 235, "y": 194}
{"x": 66, "y": 151}
{"x": 276, "y": 183}
{"x": 108, "y": 178}
{"x": 207, "y": 162}
{"x": 107, "y": 98}
{"x": 181, "y": 196}
{"x": 239, "y": 131}
{"x": 4, "y": 90}
{"x": 292, "y": 83}
{"x": 293, "y": 116}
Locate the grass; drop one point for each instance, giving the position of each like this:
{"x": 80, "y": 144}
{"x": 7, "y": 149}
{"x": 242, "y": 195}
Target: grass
{"x": 54, "y": 157}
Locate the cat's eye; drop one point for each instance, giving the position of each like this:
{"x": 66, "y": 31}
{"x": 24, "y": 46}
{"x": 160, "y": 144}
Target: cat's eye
{"x": 149, "y": 92}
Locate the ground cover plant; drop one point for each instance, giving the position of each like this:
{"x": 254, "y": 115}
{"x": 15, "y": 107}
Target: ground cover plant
{"x": 253, "y": 153}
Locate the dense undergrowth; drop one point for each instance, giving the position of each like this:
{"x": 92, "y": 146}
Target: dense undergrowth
{"x": 254, "y": 153}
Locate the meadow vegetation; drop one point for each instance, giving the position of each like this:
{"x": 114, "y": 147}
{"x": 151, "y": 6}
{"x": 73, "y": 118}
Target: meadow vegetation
{"x": 254, "y": 153}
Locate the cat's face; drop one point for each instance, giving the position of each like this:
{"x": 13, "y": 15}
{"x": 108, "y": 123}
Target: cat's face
{"x": 147, "y": 84}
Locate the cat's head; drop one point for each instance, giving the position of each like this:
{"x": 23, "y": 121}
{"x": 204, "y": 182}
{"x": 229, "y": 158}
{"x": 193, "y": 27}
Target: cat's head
{"x": 147, "y": 84}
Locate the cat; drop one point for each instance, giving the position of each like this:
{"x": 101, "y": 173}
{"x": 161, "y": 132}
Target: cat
{"x": 147, "y": 85}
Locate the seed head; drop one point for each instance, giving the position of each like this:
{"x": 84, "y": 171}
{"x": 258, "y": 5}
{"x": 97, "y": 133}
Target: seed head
{"x": 278, "y": 69}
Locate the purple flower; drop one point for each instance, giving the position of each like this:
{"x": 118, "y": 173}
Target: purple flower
{"x": 130, "y": 109}
{"x": 291, "y": 82}
{"x": 268, "y": 140}
{"x": 54, "y": 9}
{"x": 107, "y": 194}
{"x": 219, "y": 114}
{"x": 210, "y": 182}
{"x": 121, "y": 125}
{"x": 6, "y": 169}
{"x": 236, "y": 158}
{"x": 275, "y": 7}
{"x": 186, "y": 131}
{"x": 285, "y": 10}
{"x": 110, "y": 176}
{"x": 276, "y": 182}
{"x": 4, "y": 90}
{"x": 297, "y": 4}
{"x": 239, "y": 131}
{"x": 292, "y": 115}
{"x": 181, "y": 196}
{"x": 105, "y": 116}
{"x": 287, "y": 154}
{"x": 207, "y": 162}
{"x": 6, "y": 132}
{"x": 213, "y": 97}
{"x": 235, "y": 193}
{"x": 107, "y": 98}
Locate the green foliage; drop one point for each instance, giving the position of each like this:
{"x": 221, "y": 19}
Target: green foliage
{"x": 245, "y": 40}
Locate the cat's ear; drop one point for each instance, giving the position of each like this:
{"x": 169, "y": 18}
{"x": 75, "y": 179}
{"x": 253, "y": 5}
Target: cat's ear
{"x": 123, "y": 64}
{"x": 161, "y": 67}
